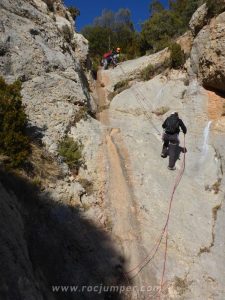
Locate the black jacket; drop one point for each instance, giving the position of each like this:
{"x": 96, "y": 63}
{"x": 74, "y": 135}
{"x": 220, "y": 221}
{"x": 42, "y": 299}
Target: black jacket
{"x": 180, "y": 125}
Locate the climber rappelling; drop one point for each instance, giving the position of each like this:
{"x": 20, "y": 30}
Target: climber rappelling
{"x": 171, "y": 140}
{"x": 111, "y": 57}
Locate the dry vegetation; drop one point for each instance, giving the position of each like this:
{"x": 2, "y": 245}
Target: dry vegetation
{"x": 160, "y": 111}
{"x": 81, "y": 114}
{"x": 223, "y": 110}
{"x": 119, "y": 88}
{"x": 181, "y": 285}
{"x": 87, "y": 185}
{"x": 215, "y": 187}
{"x": 150, "y": 71}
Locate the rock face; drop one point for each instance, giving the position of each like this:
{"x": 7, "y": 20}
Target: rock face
{"x": 196, "y": 243}
{"x": 81, "y": 47}
{"x": 70, "y": 233}
{"x": 16, "y": 265}
{"x": 208, "y": 56}
{"x": 132, "y": 69}
{"x": 199, "y": 19}
{"x": 195, "y": 233}
{"x": 38, "y": 46}
{"x": 186, "y": 41}
{"x": 45, "y": 243}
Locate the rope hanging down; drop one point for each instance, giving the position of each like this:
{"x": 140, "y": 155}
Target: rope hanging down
{"x": 178, "y": 180}
{"x": 143, "y": 102}
{"x": 150, "y": 256}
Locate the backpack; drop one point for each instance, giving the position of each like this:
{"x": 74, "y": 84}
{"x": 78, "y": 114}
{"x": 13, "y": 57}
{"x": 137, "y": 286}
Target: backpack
{"x": 106, "y": 55}
{"x": 172, "y": 125}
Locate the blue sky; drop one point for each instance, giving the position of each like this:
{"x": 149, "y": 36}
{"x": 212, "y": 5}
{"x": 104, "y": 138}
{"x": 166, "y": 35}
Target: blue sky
{"x": 91, "y": 9}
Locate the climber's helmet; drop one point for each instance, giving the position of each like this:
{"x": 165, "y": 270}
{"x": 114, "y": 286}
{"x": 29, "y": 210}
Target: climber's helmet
{"x": 174, "y": 113}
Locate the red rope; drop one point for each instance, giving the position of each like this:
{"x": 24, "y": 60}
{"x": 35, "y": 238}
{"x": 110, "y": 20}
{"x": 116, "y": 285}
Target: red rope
{"x": 157, "y": 244}
{"x": 171, "y": 200}
{"x": 150, "y": 256}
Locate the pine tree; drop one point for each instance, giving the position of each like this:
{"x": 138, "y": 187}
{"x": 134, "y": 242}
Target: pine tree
{"x": 13, "y": 140}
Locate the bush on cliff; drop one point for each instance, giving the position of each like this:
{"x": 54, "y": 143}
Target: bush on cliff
{"x": 50, "y": 4}
{"x": 215, "y": 7}
{"x": 71, "y": 151}
{"x": 75, "y": 12}
{"x": 13, "y": 140}
{"x": 177, "y": 57}
{"x": 166, "y": 24}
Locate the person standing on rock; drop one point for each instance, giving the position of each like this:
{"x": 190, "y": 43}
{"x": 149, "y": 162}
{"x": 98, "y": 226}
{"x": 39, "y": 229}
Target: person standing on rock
{"x": 111, "y": 57}
{"x": 171, "y": 141}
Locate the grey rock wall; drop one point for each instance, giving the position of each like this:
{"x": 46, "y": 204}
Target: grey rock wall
{"x": 38, "y": 46}
{"x": 207, "y": 55}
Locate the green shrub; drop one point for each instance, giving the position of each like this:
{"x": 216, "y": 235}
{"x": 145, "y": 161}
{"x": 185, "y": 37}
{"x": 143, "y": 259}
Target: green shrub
{"x": 150, "y": 71}
{"x": 75, "y": 12}
{"x": 81, "y": 114}
{"x": 95, "y": 66}
{"x": 13, "y": 121}
{"x": 121, "y": 86}
{"x": 166, "y": 23}
{"x": 177, "y": 57}
{"x": 71, "y": 151}
{"x": 147, "y": 72}
{"x": 215, "y": 7}
{"x": 112, "y": 30}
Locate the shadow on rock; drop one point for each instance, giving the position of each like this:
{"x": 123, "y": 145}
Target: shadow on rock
{"x": 45, "y": 243}
{"x": 178, "y": 152}
{"x": 174, "y": 153}
{"x": 36, "y": 133}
